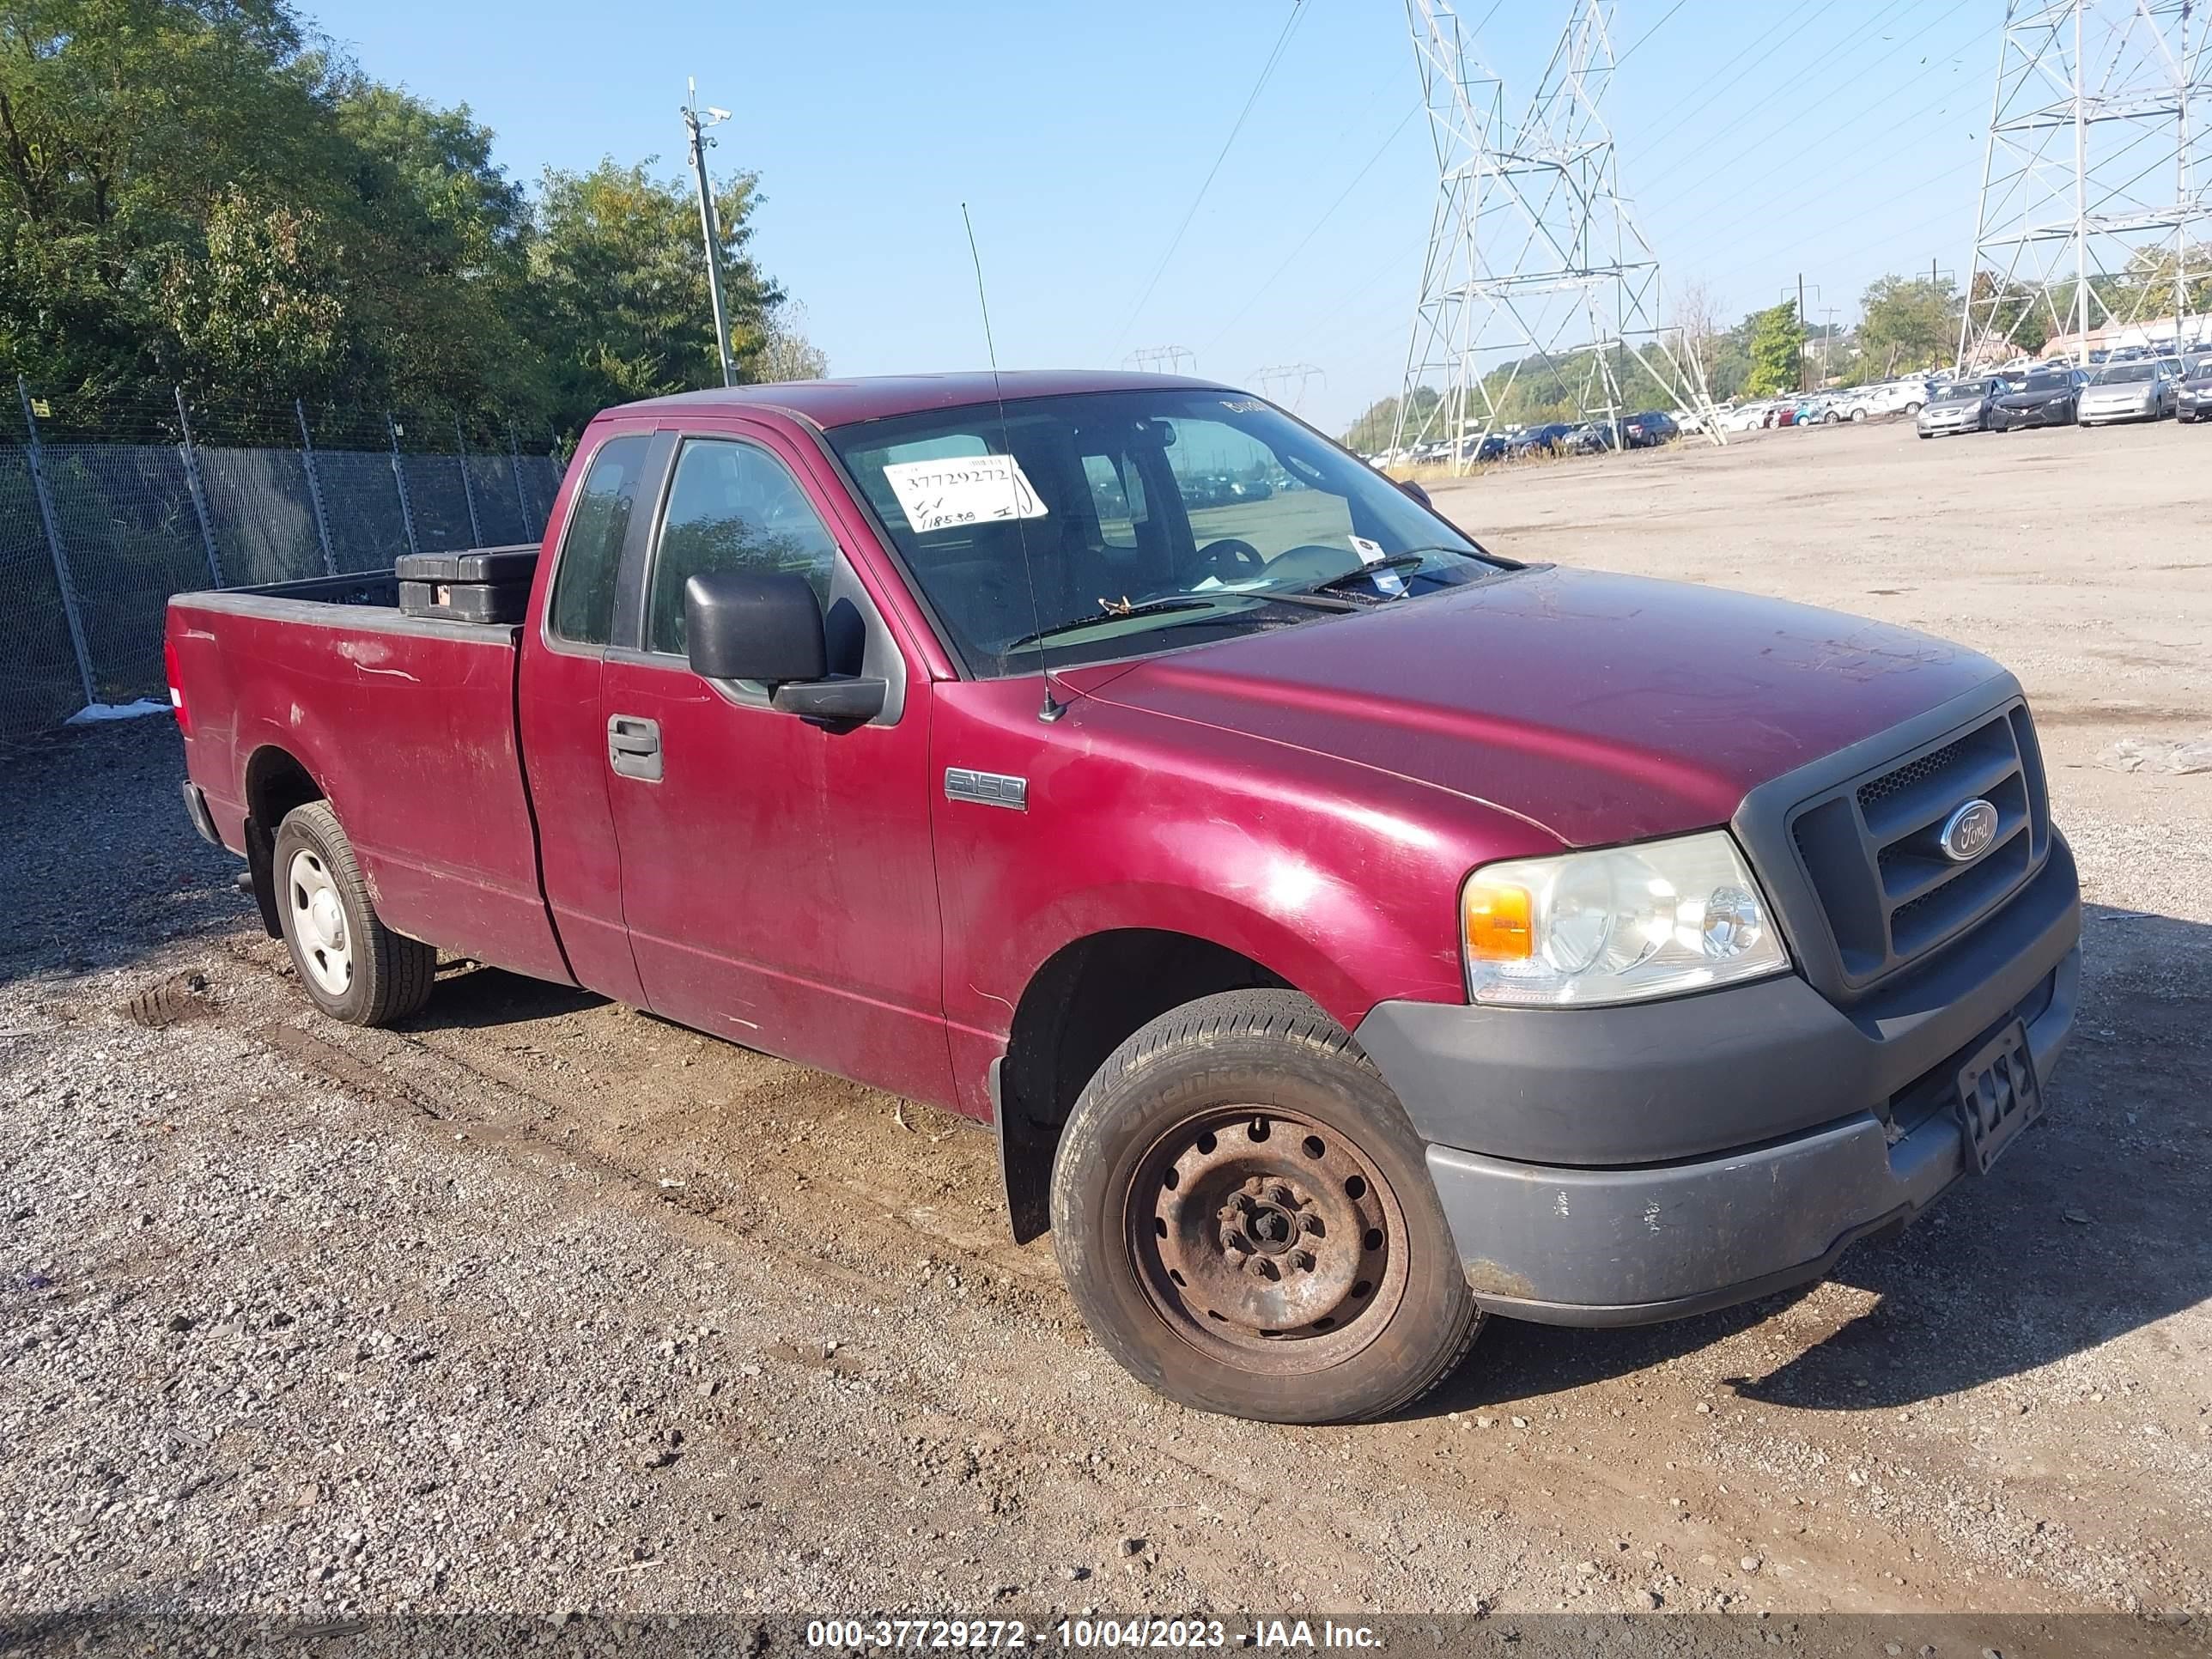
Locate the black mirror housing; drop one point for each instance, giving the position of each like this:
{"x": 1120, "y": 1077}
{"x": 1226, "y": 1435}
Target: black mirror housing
{"x": 1417, "y": 493}
{"x": 744, "y": 625}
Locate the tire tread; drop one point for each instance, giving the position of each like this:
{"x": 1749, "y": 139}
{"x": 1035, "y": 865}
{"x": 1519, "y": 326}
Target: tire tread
{"x": 397, "y": 971}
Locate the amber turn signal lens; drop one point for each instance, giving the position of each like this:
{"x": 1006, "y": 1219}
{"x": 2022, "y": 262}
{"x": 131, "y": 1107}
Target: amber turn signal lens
{"x": 1498, "y": 922}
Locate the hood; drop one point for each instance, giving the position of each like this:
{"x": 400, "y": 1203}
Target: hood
{"x": 1950, "y": 398}
{"x": 1603, "y": 708}
{"x": 2030, "y": 397}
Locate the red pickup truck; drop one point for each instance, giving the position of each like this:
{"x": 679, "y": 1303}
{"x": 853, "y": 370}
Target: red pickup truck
{"x": 1349, "y": 932}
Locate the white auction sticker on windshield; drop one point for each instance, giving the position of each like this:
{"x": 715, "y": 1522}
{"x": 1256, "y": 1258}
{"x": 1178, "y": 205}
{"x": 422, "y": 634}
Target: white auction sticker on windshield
{"x": 963, "y": 489}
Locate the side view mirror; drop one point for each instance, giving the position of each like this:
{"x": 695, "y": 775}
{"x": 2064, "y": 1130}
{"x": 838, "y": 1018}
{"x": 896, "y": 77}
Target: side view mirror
{"x": 1417, "y": 494}
{"x": 768, "y": 628}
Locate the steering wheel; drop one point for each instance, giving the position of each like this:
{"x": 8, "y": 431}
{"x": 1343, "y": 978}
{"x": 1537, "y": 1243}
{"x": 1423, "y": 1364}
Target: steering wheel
{"x": 1229, "y": 559}
{"x": 1313, "y": 561}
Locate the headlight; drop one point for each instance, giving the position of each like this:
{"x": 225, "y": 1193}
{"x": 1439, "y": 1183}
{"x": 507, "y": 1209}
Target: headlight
{"x": 1621, "y": 924}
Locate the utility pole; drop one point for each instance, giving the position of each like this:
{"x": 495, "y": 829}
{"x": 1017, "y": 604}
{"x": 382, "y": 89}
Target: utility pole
{"x": 1801, "y": 322}
{"x": 709, "y": 231}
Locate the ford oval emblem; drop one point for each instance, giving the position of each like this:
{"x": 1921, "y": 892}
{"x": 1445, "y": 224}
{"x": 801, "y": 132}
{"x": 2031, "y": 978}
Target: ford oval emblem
{"x": 1969, "y": 832}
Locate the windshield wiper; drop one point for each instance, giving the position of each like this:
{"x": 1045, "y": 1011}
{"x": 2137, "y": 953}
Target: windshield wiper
{"x": 1394, "y": 561}
{"x": 1115, "y": 609}
{"x": 1115, "y": 613}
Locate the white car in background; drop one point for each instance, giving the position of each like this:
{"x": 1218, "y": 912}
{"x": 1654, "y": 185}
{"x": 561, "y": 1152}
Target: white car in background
{"x": 1746, "y": 417}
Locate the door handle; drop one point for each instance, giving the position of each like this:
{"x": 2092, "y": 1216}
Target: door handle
{"x": 634, "y": 747}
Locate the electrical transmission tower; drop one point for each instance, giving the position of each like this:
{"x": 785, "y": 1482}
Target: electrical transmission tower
{"x": 1162, "y": 360}
{"x": 1294, "y": 378}
{"x": 2093, "y": 177}
{"x": 1535, "y": 270}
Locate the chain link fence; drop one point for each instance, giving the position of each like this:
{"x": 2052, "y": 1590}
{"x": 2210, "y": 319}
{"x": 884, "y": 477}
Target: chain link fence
{"x": 107, "y": 512}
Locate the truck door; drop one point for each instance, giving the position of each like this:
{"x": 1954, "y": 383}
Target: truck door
{"x": 609, "y": 510}
{"x": 777, "y": 878}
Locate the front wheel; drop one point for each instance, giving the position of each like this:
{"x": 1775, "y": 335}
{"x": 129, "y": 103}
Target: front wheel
{"x": 353, "y": 967}
{"x": 1857, "y": 415}
{"x": 1246, "y": 1221}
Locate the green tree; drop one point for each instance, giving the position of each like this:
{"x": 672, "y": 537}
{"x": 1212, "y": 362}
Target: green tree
{"x": 193, "y": 191}
{"x": 1379, "y": 422}
{"x": 1907, "y": 324}
{"x": 1777, "y": 350}
{"x": 619, "y": 277}
{"x": 257, "y": 311}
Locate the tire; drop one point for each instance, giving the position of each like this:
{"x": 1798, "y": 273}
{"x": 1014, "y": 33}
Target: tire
{"x": 1252, "y": 1116}
{"x": 1927, "y": 435}
{"x": 1858, "y": 415}
{"x": 1912, "y": 409}
{"x": 352, "y": 966}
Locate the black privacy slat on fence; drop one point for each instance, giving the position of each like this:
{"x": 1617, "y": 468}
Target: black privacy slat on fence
{"x": 134, "y": 523}
{"x": 125, "y": 513}
{"x": 362, "y": 505}
{"x": 499, "y": 513}
{"x": 262, "y": 517}
{"x": 38, "y": 682}
{"x": 440, "y": 503}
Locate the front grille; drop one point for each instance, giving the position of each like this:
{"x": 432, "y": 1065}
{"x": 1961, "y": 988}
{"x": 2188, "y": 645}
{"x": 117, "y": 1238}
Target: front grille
{"x": 1870, "y": 847}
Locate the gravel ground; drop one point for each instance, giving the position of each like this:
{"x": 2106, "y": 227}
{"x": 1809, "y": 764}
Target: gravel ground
{"x": 542, "y": 1304}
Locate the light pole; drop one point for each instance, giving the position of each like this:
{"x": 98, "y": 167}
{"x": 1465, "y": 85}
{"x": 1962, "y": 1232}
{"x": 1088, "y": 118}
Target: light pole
{"x": 709, "y": 231}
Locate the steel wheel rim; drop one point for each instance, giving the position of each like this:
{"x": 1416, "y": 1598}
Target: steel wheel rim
{"x": 1267, "y": 1241}
{"x": 319, "y": 922}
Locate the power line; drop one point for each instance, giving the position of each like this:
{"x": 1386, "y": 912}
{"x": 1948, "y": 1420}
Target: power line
{"x": 1327, "y": 213}
{"x": 1266, "y": 72}
{"x": 1642, "y": 38}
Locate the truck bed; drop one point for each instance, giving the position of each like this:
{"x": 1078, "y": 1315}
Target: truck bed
{"x": 406, "y": 725}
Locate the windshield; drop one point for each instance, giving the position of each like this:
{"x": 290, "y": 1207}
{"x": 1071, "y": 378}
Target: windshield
{"x": 2044, "y": 383}
{"x": 2122, "y": 374}
{"x": 1131, "y": 522}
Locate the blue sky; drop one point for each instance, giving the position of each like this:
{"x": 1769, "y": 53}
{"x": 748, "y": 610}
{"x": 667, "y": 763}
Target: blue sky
{"x": 1757, "y": 138}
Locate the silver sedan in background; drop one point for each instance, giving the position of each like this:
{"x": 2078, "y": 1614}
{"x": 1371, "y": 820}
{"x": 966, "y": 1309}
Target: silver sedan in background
{"x": 1961, "y": 406}
{"x": 2144, "y": 389}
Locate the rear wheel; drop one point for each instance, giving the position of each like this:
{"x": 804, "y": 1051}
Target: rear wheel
{"x": 353, "y": 967}
{"x": 1246, "y": 1221}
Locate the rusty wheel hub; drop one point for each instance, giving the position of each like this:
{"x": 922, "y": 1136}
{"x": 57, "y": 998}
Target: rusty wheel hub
{"x": 1266, "y": 1240}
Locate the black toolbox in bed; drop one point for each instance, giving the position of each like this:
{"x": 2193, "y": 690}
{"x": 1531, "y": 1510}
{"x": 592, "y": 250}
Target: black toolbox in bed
{"x": 481, "y": 585}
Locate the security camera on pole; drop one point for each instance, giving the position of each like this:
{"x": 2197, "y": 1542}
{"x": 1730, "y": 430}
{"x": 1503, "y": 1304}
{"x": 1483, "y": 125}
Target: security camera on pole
{"x": 708, "y": 227}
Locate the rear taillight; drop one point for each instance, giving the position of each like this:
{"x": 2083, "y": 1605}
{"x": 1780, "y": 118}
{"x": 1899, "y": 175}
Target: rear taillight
{"x": 176, "y": 686}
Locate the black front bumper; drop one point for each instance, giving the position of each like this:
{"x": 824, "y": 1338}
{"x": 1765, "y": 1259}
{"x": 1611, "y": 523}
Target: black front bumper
{"x": 1615, "y": 1166}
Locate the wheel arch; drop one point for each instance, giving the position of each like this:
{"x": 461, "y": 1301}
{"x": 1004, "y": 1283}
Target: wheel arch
{"x": 1081, "y": 1003}
{"x": 277, "y": 780}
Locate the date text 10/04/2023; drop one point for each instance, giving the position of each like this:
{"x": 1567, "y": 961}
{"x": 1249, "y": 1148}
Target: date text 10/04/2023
{"x": 1088, "y": 1634}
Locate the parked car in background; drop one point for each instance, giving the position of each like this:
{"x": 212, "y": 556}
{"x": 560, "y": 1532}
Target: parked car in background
{"x": 1962, "y": 406}
{"x": 2048, "y": 396}
{"x": 2131, "y": 389}
{"x": 1587, "y": 439}
{"x": 2193, "y": 398}
{"x": 1540, "y": 440}
{"x": 1746, "y": 417}
{"x": 1650, "y": 430}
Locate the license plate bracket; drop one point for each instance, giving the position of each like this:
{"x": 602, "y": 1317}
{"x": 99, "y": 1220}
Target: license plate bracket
{"x": 1999, "y": 1096}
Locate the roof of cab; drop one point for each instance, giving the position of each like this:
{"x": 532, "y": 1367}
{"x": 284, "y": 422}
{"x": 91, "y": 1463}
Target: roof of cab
{"x": 843, "y": 402}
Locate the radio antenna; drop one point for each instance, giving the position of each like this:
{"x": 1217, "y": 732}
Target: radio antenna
{"x": 1053, "y": 708}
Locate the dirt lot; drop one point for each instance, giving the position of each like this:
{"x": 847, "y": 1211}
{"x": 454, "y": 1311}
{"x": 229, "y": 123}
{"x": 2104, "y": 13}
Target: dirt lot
{"x": 543, "y": 1304}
